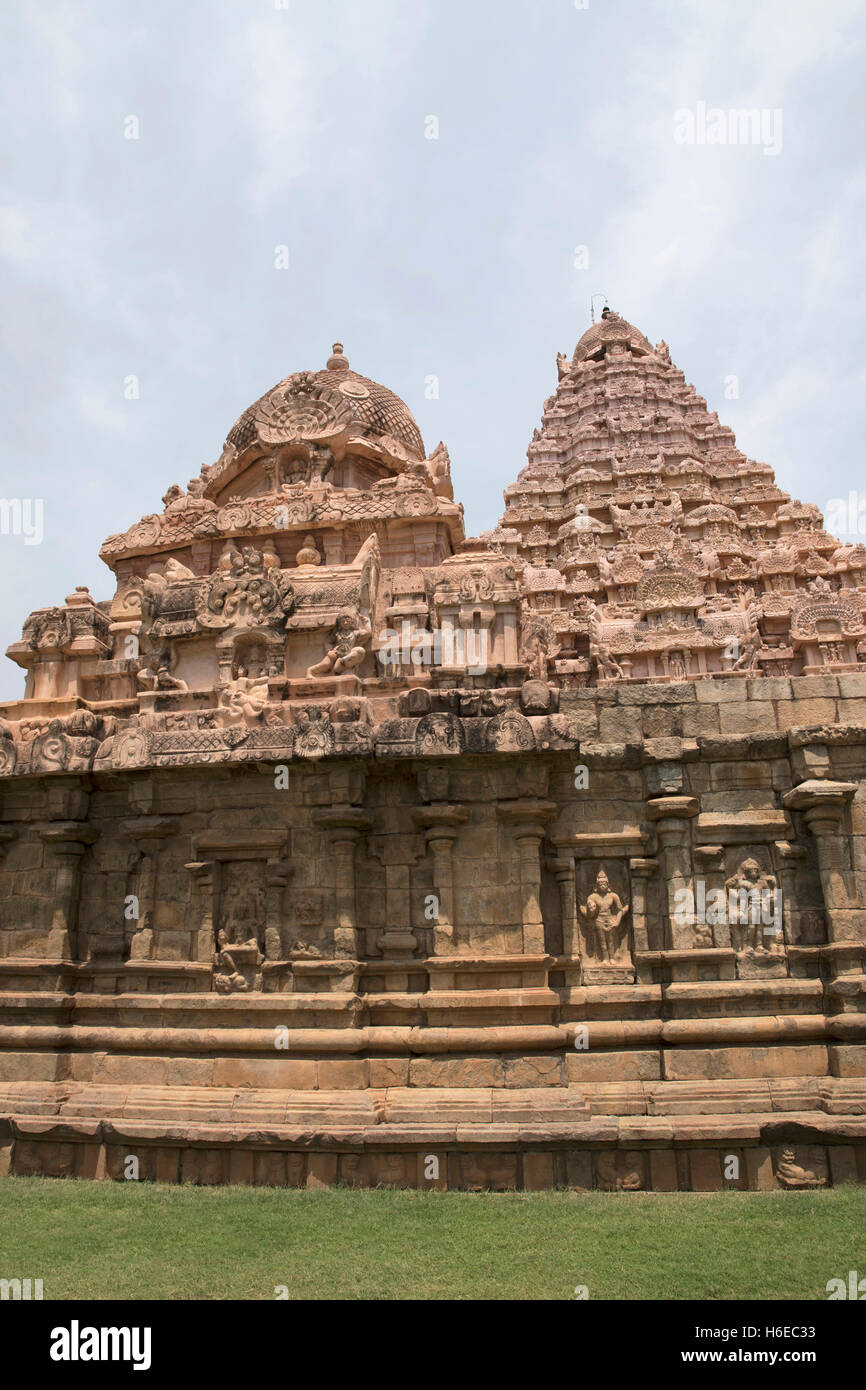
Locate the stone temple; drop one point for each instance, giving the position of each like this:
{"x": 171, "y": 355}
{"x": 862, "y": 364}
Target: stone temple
{"x": 336, "y": 847}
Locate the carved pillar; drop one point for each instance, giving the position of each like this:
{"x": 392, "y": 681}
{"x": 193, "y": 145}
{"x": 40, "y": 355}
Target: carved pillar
{"x": 203, "y": 884}
{"x": 510, "y": 655}
{"x": 69, "y": 839}
{"x": 449, "y": 645}
{"x": 397, "y": 854}
{"x": 7, "y": 835}
{"x": 333, "y": 545}
{"x": 563, "y": 871}
{"x": 344, "y": 826}
{"x": 641, "y": 869}
{"x": 790, "y": 857}
{"x": 146, "y": 832}
{"x": 529, "y": 819}
{"x": 440, "y": 824}
{"x": 710, "y": 863}
{"x": 823, "y": 805}
{"x": 277, "y": 875}
{"x": 672, "y": 815}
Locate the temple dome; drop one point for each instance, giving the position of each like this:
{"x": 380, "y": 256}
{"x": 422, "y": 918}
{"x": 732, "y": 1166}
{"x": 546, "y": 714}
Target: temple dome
{"x": 378, "y": 412}
{"x": 611, "y": 328}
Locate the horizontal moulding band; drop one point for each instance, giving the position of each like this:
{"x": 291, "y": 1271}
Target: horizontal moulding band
{"x": 581, "y": 1036}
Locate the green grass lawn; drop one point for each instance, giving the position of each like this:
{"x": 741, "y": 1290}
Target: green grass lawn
{"x": 131, "y": 1241}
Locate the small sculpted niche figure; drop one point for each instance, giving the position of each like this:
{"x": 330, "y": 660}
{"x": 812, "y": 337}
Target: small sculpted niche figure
{"x": 753, "y": 904}
{"x": 603, "y": 913}
{"x": 155, "y": 672}
{"x": 246, "y": 696}
{"x": 607, "y": 662}
{"x": 349, "y": 638}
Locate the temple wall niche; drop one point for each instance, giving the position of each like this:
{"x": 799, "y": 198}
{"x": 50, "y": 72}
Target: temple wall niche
{"x": 197, "y": 664}
{"x": 487, "y": 878}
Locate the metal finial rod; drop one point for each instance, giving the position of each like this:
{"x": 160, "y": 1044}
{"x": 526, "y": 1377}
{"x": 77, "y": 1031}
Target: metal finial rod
{"x": 592, "y": 300}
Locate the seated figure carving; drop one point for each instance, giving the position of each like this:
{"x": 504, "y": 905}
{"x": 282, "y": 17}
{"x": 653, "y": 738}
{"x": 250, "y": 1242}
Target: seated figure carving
{"x": 349, "y": 639}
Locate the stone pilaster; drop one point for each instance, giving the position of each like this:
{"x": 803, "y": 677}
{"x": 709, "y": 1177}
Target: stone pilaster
{"x": 790, "y": 857}
{"x": 146, "y": 832}
{"x": 203, "y": 875}
{"x": 397, "y": 854}
{"x": 562, "y": 868}
{"x": 69, "y": 840}
{"x": 440, "y": 824}
{"x": 641, "y": 872}
{"x": 529, "y": 821}
{"x": 710, "y": 866}
{"x": 277, "y": 875}
{"x": 672, "y": 815}
{"x": 344, "y": 826}
{"x": 824, "y": 806}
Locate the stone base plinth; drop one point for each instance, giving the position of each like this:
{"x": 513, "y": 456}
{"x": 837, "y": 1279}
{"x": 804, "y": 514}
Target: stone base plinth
{"x": 466, "y": 1140}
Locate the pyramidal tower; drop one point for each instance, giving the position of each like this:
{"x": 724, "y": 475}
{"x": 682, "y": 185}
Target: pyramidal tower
{"x": 653, "y": 549}
{"x": 542, "y": 852}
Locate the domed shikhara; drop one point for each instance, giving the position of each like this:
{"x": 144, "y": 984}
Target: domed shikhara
{"x": 316, "y": 464}
{"x": 374, "y": 412}
{"x": 610, "y": 329}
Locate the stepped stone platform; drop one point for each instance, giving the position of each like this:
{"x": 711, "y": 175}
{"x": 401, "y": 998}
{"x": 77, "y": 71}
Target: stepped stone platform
{"x": 338, "y": 848}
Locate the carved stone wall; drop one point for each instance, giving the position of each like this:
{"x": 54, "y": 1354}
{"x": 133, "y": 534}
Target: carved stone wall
{"x": 564, "y": 826}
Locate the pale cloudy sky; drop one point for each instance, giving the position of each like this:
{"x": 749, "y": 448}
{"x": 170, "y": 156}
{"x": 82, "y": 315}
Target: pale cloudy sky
{"x": 303, "y": 123}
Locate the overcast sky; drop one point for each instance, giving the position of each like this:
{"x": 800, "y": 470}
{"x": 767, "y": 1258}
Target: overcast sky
{"x": 304, "y": 125}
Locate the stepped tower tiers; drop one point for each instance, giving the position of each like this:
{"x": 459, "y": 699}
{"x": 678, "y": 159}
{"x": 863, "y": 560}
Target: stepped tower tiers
{"x": 652, "y": 549}
{"x": 540, "y": 853}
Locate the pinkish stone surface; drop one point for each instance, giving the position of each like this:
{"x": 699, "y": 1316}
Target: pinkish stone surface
{"x": 333, "y": 823}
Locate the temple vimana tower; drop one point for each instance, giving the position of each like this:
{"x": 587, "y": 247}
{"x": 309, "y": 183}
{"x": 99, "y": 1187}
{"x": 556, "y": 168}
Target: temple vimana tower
{"x": 336, "y": 847}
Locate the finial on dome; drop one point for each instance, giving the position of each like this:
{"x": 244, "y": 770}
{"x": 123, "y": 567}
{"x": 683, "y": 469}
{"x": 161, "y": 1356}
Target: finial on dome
{"x": 339, "y": 362}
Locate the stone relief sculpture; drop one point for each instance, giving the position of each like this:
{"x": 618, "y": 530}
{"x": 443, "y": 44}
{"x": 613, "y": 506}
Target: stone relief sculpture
{"x": 753, "y": 909}
{"x": 540, "y": 646}
{"x": 155, "y": 672}
{"x": 792, "y": 1174}
{"x": 603, "y": 914}
{"x": 349, "y": 639}
{"x": 238, "y": 957}
{"x": 246, "y": 698}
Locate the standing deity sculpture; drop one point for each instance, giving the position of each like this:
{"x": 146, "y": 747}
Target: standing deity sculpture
{"x": 754, "y": 909}
{"x": 539, "y": 647}
{"x": 603, "y": 913}
{"x": 748, "y": 657}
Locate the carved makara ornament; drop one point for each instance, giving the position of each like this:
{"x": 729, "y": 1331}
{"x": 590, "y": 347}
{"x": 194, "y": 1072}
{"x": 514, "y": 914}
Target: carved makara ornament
{"x": 155, "y": 671}
{"x": 303, "y": 410}
{"x": 314, "y": 736}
